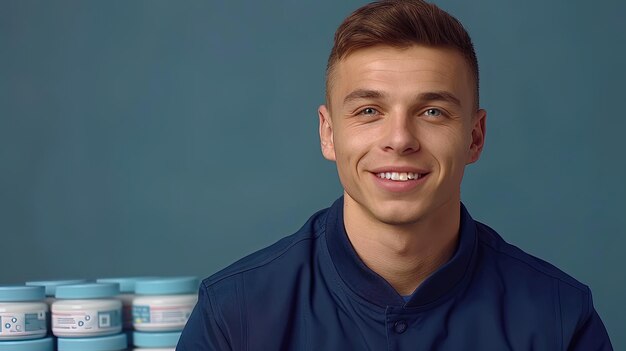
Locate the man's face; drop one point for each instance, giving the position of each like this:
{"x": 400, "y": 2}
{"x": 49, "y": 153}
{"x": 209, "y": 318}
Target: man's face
{"x": 408, "y": 114}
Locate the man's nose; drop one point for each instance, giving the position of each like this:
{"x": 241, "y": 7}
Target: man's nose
{"x": 400, "y": 134}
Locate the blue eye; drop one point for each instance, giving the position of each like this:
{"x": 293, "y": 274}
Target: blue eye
{"x": 368, "y": 111}
{"x": 433, "y": 112}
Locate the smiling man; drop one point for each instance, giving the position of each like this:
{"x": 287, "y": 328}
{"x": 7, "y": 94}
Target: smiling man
{"x": 396, "y": 263}
{"x": 401, "y": 124}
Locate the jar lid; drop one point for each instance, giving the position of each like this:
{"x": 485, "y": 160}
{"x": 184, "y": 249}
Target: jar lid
{"x": 99, "y": 343}
{"x": 45, "y": 344}
{"x": 51, "y": 285}
{"x": 141, "y": 339}
{"x": 17, "y": 293}
{"x": 167, "y": 286}
{"x": 127, "y": 284}
{"x": 87, "y": 291}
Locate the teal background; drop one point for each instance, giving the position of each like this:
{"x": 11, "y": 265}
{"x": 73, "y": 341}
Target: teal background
{"x": 155, "y": 137}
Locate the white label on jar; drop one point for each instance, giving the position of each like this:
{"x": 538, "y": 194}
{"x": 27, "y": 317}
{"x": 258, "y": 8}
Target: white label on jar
{"x": 85, "y": 321}
{"x": 15, "y": 324}
{"x": 177, "y": 315}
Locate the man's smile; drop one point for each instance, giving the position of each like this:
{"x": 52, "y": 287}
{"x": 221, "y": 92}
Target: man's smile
{"x": 399, "y": 182}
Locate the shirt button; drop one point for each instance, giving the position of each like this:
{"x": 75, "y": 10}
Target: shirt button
{"x": 399, "y": 327}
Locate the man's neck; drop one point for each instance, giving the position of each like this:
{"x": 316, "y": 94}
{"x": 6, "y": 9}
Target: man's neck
{"x": 404, "y": 255}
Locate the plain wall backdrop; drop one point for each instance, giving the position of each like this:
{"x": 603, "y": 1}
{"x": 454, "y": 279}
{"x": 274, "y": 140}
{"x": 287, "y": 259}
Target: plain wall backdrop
{"x": 174, "y": 137}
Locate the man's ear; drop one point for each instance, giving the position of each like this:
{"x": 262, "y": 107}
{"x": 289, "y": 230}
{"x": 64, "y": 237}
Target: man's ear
{"x": 478, "y": 135}
{"x": 326, "y": 133}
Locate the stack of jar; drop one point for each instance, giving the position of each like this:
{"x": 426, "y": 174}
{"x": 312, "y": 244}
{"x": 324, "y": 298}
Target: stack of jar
{"x": 23, "y": 319}
{"x": 102, "y": 316}
{"x": 88, "y": 317}
{"x": 161, "y": 309}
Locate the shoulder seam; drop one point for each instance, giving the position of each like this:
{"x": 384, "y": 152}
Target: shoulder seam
{"x": 583, "y": 288}
{"x": 241, "y": 292}
{"x": 208, "y": 282}
{"x": 214, "y": 315}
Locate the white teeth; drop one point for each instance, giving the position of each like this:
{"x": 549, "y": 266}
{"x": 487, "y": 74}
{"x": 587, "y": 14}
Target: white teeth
{"x": 399, "y": 176}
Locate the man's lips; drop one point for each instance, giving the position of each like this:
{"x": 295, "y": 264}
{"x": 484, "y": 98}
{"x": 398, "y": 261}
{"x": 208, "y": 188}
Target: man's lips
{"x": 399, "y": 179}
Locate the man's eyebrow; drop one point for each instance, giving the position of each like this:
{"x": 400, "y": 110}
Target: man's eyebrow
{"x": 428, "y": 96}
{"x": 363, "y": 94}
{"x": 439, "y": 96}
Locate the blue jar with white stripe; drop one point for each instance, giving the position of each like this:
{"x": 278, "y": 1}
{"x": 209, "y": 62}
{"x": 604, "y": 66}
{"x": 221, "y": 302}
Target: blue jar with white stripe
{"x": 23, "y": 313}
{"x": 164, "y": 304}
{"x": 86, "y": 310}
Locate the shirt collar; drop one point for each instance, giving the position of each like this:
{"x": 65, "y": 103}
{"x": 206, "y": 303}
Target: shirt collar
{"x": 369, "y": 285}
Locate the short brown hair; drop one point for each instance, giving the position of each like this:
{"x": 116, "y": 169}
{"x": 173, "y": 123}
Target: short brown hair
{"x": 400, "y": 24}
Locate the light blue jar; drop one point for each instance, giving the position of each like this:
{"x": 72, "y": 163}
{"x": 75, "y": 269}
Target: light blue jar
{"x": 164, "y": 304}
{"x": 86, "y": 310}
{"x": 51, "y": 288}
{"x": 22, "y": 313}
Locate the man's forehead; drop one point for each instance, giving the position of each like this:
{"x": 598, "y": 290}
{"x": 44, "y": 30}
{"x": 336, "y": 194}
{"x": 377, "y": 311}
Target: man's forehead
{"x": 416, "y": 65}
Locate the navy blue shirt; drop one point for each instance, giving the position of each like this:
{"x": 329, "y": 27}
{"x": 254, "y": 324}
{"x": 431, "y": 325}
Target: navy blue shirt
{"x": 310, "y": 291}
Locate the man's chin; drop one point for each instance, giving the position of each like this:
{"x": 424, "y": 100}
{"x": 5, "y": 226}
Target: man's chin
{"x": 399, "y": 216}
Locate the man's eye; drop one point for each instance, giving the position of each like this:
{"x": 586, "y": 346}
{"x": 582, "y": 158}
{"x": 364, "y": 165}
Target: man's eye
{"x": 433, "y": 112}
{"x": 368, "y": 111}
